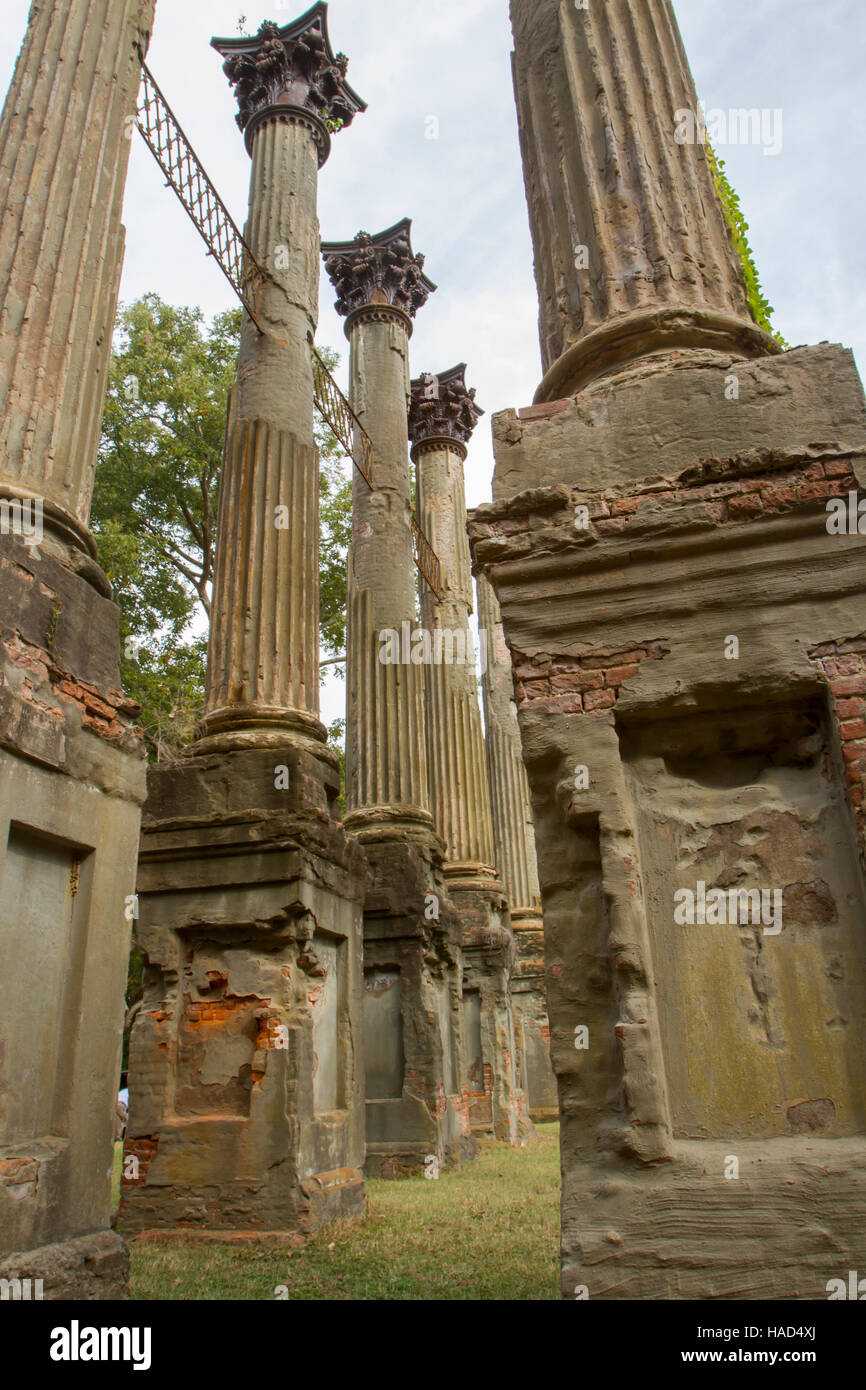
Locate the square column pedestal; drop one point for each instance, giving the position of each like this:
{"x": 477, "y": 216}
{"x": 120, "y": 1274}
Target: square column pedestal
{"x": 417, "y": 1118}
{"x": 681, "y": 570}
{"x": 497, "y": 1106}
{"x": 247, "y": 1053}
{"x": 71, "y": 787}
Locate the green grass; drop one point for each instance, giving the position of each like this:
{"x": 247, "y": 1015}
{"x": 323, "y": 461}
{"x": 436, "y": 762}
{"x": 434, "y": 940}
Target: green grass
{"x": 488, "y": 1232}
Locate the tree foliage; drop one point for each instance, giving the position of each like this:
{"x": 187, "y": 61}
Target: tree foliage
{"x": 156, "y": 499}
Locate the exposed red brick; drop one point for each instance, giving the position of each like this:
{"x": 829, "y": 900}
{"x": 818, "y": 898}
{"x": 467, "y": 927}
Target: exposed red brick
{"x": 599, "y": 699}
{"x": 810, "y": 492}
{"x": 849, "y": 685}
{"x": 618, "y": 674}
{"x": 839, "y": 468}
{"x": 745, "y": 506}
{"x": 586, "y": 680}
{"x": 626, "y": 506}
{"x": 717, "y": 511}
{"x": 815, "y": 470}
{"x": 851, "y": 664}
{"x": 543, "y": 412}
{"x": 564, "y": 704}
{"x": 850, "y": 709}
{"x": 775, "y": 499}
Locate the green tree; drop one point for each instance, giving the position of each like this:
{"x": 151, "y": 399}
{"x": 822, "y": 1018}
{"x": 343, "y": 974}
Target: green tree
{"x": 155, "y": 504}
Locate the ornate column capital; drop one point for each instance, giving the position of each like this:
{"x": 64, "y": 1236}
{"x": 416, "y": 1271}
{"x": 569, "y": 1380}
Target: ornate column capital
{"x": 289, "y": 72}
{"x": 442, "y": 412}
{"x": 380, "y": 274}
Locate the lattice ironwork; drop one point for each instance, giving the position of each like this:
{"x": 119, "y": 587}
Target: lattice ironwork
{"x": 335, "y": 409}
{"x": 426, "y": 559}
{"x": 164, "y": 137}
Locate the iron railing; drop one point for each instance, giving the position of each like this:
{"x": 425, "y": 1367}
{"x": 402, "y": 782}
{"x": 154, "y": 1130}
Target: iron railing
{"x": 426, "y": 559}
{"x": 185, "y": 174}
{"x": 336, "y": 411}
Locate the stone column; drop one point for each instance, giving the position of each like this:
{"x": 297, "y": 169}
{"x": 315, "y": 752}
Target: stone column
{"x": 263, "y": 658}
{"x": 247, "y": 1057}
{"x": 71, "y": 767}
{"x": 514, "y": 840}
{"x": 65, "y": 136}
{"x": 381, "y": 285}
{"x": 442, "y": 418}
{"x": 632, "y": 251}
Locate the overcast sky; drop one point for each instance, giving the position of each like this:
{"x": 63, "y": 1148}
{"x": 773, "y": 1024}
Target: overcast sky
{"x": 415, "y": 59}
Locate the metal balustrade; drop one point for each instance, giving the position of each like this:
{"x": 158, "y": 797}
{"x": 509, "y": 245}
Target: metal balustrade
{"x": 185, "y": 174}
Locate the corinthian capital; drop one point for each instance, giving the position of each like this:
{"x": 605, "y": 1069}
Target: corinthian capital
{"x": 378, "y": 269}
{"x": 443, "y": 407}
{"x": 292, "y": 66}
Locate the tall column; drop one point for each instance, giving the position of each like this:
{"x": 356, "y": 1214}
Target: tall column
{"x": 632, "y": 251}
{"x": 247, "y": 1057}
{"x": 64, "y": 150}
{"x": 381, "y": 286}
{"x": 413, "y": 1026}
{"x": 71, "y": 767}
{"x": 442, "y": 418}
{"x": 263, "y": 658}
{"x": 514, "y": 840}
{"x": 513, "y": 831}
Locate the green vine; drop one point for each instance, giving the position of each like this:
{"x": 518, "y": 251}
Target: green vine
{"x": 738, "y": 228}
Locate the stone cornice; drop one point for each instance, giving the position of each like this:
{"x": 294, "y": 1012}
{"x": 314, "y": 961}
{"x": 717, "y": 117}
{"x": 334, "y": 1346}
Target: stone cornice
{"x": 378, "y": 270}
{"x": 443, "y": 407}
{"x": 293, "y": 65}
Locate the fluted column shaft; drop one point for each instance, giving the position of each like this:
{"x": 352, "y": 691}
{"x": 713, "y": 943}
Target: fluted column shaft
{"x": 597, "y": 91}
{"x": 65, "y": 137}
{"x": 514, "y": 834}
{"x": 263, "y": 660}
{"x": 459, "y": 788}
{"x": 386, "y": 764}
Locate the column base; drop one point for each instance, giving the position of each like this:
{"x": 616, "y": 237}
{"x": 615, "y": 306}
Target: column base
{"x": 531, "y": 1023}
{"x": 619, "y": 343}
{"x": 417, "y": 1117}
{"x": 399, "y": 824}
{"x": 246, "y": 1059}
{"x": 238, "y": 727}
{"x": 497, "y": 1103}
